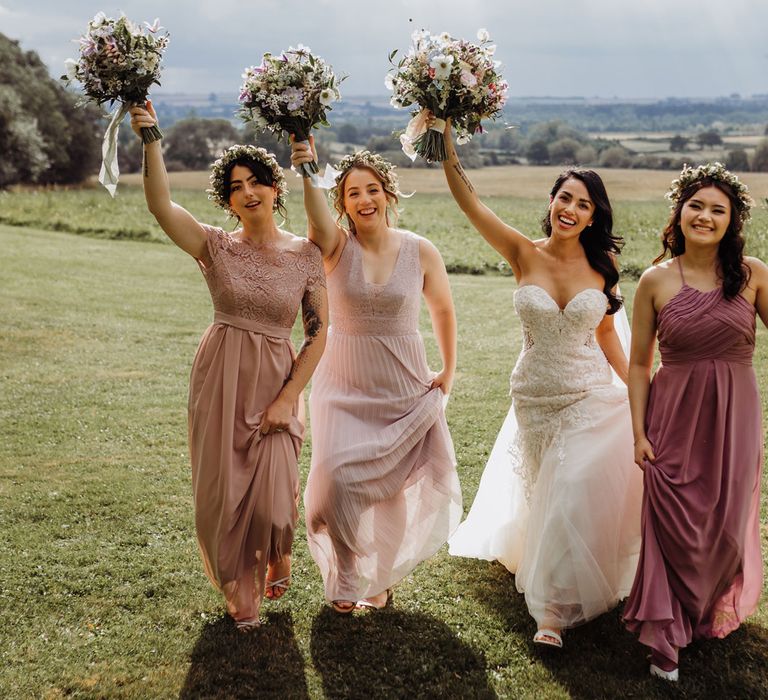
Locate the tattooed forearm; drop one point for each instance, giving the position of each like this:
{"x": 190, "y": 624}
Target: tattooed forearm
{"x": 460, "y": 172}
{"x": 307, "y": 358}
{"x": 312, "y": 322}
{"x": 146, "y": 166}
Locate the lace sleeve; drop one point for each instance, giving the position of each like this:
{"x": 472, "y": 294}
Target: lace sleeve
{"x": 315, "y": 270}
{"x": 216, "y": 239}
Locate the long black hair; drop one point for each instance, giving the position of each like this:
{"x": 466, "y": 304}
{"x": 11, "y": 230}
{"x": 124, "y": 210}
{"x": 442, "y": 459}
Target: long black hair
{"x": 734, "y": 271}
{"x": 598, "y": 240}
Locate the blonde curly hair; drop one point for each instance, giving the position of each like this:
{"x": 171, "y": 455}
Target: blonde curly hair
{"x": 380, "y": 167}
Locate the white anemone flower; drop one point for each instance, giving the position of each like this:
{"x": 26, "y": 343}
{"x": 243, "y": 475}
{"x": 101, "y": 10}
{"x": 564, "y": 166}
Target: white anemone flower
{"x": 441, "y": 64}
{"x": 71, "y": 66}
{"x": 328, "y": 97}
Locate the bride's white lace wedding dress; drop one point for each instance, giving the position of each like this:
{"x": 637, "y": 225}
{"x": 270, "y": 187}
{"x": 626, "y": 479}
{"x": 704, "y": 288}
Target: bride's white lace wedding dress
{"x": 559, "y": 500}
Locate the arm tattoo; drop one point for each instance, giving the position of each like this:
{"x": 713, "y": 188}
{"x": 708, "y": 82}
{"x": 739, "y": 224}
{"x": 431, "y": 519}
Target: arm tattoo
{"x": 146, "y": 166}
{"x": 312, "y": 326}
{"x": 460, "y": 172}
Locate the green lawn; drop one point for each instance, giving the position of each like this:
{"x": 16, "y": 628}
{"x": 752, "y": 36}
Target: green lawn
{"x": 102, "y": 592}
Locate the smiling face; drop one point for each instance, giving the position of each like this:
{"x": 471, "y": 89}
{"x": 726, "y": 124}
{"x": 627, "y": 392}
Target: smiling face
{"x": 705, "y": 216}
{"x": 248, "y": 198}
{"x": 365, "y": 201}
{"x": 571, "y": 209}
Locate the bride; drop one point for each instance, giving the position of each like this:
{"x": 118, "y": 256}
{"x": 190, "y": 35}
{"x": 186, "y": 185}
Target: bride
{"x": 559, "y": 500}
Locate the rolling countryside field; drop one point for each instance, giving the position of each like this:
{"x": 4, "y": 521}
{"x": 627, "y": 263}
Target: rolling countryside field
{"x": 102, "y": 590}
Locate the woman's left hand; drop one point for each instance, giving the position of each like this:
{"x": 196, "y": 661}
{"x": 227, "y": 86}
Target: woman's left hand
{"x": 277, "y": 416}
{"x": 444, "y": 380}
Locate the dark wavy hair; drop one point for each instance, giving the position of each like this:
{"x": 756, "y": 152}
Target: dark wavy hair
{"x": 733, "y": 270}
{"x": 598, "y": 240}
{"x": 262, "y": 173}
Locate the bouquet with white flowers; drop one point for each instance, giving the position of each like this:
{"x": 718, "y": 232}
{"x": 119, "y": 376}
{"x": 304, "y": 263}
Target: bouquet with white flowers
{"x": 289, "y": 94}
{"x": 119, "y": 62}
{"x": 451, "y": 78}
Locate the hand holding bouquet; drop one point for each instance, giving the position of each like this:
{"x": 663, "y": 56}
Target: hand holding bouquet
{"x": 119, "y": 62}
{"x": 450, "y": 78}
{"x": 289, "y": 94}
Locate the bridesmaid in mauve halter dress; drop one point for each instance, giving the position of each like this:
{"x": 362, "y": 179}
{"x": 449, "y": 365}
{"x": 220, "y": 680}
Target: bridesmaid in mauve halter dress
{"x": 382, "y": 493}
{"x": 245, "y": 405}
{"x": 698, "y": 429}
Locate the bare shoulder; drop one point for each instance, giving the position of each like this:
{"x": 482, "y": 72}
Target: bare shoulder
{"x": 660, "y": 274}
{"x": 428, "y": 252}
{"x": 757, "y": 268}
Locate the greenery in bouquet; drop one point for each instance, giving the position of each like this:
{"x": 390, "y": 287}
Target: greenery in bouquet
{"x": 289, "y": 94}
{"x": 449, "y": 77}
{"x": 119, "y": 62}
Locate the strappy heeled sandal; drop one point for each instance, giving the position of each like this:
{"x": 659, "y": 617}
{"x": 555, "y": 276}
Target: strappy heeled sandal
{"x": 548, "y": 638}
{"x": 366, "y": 604}
{"x": 343, "y": 607}
{"x": 246, "y": 626}
{"x": 282, "y": 584}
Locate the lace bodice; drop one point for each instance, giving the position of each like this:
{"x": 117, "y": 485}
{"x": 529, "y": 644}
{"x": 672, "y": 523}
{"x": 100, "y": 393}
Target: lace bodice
{"x": 359, "y": 307}
{"x": 260, "y": 282}
{"x": 560, "y": 365}
{"x": 560, "y": 354}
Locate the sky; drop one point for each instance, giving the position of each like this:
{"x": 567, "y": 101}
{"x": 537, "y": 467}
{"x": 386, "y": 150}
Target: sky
{"x": 559, "y": 48}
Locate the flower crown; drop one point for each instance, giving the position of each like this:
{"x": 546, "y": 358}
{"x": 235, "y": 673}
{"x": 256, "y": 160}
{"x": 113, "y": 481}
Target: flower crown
{"x": 217, "y": 193}
{"x": 713, "y": 171}
{"x": 365, "y": 159}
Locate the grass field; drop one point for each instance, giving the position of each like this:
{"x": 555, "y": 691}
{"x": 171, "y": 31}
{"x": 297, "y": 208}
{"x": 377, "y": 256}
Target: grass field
{"x": 101, "y": 588}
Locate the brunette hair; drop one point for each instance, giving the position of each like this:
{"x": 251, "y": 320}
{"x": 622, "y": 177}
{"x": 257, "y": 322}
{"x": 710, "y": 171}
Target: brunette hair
{"x": 734, "y": 271}
{"x": 598, "y": 240}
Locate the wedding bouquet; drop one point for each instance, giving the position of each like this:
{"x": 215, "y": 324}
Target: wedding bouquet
{"x": 451, "y": 78}
{"x": 289, "y": 94}
{"x": 119, "y": 62}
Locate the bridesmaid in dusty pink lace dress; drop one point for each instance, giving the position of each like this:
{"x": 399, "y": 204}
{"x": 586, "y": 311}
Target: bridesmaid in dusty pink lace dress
{"x": 382, "y": 493}
{"x": 245, "y": 397}
{"x": 697, "y": 426}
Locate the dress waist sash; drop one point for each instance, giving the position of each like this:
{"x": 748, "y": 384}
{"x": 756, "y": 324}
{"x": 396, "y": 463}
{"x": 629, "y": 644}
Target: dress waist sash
{"x": 248, "y": 324}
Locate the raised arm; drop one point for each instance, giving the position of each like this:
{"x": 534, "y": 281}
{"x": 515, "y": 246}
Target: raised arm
{"x": 641, "y": 364}
{"x": 437, "y": 294}
{"x": 509, "y": 242}
{"x": 179, "y": 225}
{"x": 323, "y": 231}
{"x": 314, "y": 307}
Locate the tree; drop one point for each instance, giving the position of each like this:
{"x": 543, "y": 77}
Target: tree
{"x": 709, "y": 138}
{"x": 21, "y": 143}
{"x": 46, "y": 125}
{"x": 564, "y": 151}
{"x": 678, "y": 143}
{"x": 760, "y": 157}
{"x": 737, "y": 160}
{"x": 615, "y": 157}
{"x": 537, "y": 152}
{"x": 194, "y": 143}
{"x": 347, "y": 133}
{"x": 586, "y": 155}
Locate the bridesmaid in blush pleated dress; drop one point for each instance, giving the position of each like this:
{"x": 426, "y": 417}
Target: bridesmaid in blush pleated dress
{"x": 382, "y": 493}
{"x": 697, "y": 425}
{"x": 245, "y": 391}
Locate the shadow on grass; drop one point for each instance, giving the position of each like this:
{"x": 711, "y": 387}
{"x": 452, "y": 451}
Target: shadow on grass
{"x": 265, "y": 663}
{"x": 601, "y": 659}
{"x": 392, "y": 653}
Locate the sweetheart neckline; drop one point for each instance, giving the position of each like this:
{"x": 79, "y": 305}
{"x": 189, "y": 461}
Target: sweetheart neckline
{"x": 562, "y": 309}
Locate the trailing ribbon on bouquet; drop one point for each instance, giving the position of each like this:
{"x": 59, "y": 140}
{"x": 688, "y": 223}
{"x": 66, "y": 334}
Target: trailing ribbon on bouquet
{"x": 416, "y": 128}
{"x": 324, "y": 182}
{"x": 110, "y": 171}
